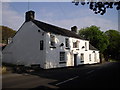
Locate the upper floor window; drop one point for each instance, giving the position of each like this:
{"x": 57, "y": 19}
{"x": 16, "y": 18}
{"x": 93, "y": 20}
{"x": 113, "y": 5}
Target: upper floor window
{"x": 76, "y": 44}
{"x": 52, "y": 40}
{"x": 67, "y": 42}
{"x": 41, "y": 45}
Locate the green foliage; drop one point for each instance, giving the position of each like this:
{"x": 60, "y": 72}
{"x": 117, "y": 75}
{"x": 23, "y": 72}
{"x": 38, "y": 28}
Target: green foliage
{"x": 113, "y": 49}
{"x": 0, "y": 34}
{"x": 96, "y": 37}
{"x": 99, "y": 7}
{"x": 6, "y": 33}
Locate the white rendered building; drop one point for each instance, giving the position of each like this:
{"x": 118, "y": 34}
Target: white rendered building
{"x": 39, "y": 43}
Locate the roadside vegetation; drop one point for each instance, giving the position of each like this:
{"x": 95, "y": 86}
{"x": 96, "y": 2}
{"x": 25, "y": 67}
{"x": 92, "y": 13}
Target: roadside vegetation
{"x": 107, "y": 42}
{"x": 112, "y": 60}
{"x": 4, "y": 69}
{"x": 6, "y": 33}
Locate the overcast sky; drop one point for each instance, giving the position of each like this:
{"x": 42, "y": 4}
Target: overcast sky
{"x": 62, "y": 14}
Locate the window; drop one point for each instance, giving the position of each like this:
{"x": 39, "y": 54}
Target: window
{"x": 52, "y": 40}
{"x": 38, "y": 30}
{"x": 76, "y": 44}
{"x": 82, "y": 57}
{"x": 67, "y": 42}
{"x": 62, "y": 56}
{"x": 10, "y": 40}
{"x": 89, "y": 57}
{"x": 95, "y": 57}
{"x": 85, "y": 46}
{"x": 41, "y": 45}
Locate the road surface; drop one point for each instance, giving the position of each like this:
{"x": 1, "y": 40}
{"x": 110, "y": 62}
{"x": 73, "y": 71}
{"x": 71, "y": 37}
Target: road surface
{"x": 105, "y": 75}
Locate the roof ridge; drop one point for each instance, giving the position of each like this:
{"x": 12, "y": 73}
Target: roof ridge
{"x": 55, "y": 29}
{"x": 52, "y": 25}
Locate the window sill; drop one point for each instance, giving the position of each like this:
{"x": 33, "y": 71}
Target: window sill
{"x": 52, "y": 47}
{"x": 67, "y": 48}
{"x": 62, "y": 62}
{"x": 82, "y": 61}
{"x": 76, "y": 47}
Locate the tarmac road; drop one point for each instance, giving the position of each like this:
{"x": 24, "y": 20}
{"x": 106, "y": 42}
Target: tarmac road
{"x": 105, "y": 75}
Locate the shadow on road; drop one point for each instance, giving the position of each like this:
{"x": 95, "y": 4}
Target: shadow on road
{"x": 103, "y": 76}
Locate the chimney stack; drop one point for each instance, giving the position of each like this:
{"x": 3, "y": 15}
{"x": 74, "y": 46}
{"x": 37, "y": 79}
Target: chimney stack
{"x": 29, "y": 16}
{"x": 74, "y": 29}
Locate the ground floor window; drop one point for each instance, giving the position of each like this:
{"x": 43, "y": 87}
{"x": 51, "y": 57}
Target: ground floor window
{"x": 82, "y": 57}
{"x": 95, "y": 57}
{"x": 62, "y": 56}
{"x": 41, "y": 44}
{"x": 89, "y": 57}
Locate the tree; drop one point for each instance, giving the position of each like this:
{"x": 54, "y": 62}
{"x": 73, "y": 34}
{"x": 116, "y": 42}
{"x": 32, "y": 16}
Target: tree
{"x": 6, "y": 33}
{"x": 99, "y": 7}
{"x": 96, "y": 37}
{"x": 0, "y": 34}
{"x": 113, "y": 49}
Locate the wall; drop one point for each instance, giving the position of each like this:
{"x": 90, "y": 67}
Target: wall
{"x": 53, "y": 57}
{"x": 52, "y": 54}
{"x": 93, "y": 55}
{"x": 25, "y": 47}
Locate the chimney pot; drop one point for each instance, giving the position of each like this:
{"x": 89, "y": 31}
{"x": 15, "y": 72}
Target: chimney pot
{"x": 30, "y": 16}
{"x": 74, "y": 29}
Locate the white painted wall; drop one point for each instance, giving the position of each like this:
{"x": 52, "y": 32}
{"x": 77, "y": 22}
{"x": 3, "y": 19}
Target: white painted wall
{"x": 53, "y": 57}
{"x": 93, "y": 60}
{"x": 25, "y": 48}
{"x": 52, "y": 54}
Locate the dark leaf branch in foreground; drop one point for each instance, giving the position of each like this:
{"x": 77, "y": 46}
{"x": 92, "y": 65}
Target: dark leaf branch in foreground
{"x": 99, "y": 7}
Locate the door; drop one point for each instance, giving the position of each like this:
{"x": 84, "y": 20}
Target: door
{"x": 75, "y": 59}
{"x": 82, "y": 58}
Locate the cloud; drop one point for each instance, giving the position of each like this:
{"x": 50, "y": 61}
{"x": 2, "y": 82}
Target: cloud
{"x": 10, "y": 17}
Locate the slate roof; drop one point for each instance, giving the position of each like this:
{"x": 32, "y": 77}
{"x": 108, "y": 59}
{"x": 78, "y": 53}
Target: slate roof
{"x": 60, "y": 31}
{"x": 55, "y": 29}
{"x": 92, "y": 47}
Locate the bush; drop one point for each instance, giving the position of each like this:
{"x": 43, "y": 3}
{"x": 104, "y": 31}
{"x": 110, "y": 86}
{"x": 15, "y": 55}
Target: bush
{"x": 4, "y": 69}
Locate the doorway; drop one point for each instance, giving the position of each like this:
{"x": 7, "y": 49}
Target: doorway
{"x": 75, "y": 59}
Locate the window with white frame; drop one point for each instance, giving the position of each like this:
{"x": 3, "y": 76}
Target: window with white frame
{"x": 76, "y": 44}
{"x": 52, "y": 40}
{"x": 10, "y": 40}
{"x": 62, "y": 56}
{"x": 66, "y": 42}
